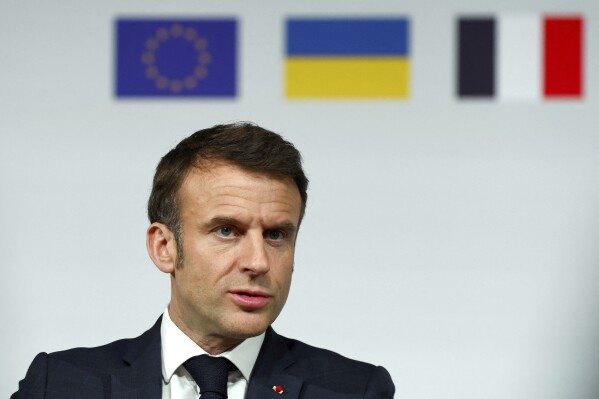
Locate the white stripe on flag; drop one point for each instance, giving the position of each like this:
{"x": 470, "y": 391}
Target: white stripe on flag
{"x": 519, "y": 57}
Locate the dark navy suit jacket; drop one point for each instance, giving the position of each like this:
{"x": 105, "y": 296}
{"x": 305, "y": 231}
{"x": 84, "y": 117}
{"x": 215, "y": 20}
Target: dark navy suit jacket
{"x": 132, "y": 369}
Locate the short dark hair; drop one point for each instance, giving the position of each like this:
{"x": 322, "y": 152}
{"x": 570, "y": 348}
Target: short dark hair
{"x": 243, "y": 144}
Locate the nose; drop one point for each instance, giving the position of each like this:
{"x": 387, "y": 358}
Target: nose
{"x": 255, "y": 257}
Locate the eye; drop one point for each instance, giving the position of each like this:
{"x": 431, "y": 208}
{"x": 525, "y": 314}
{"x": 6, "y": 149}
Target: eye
{"x": 275, "y": 235}
{"x": 224, "y": 231}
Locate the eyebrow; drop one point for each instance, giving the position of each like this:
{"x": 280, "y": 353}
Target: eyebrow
{"x": 286, "y": 226}
{"x": 221, "y": 220}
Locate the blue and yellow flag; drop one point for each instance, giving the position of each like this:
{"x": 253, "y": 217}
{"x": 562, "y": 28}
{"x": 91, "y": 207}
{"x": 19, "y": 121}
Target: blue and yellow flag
{"x": 176, "y": 57}
{"x": 347, "y": 57}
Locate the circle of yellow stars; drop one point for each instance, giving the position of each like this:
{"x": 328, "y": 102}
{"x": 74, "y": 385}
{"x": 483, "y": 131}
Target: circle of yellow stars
{"x": 199, "y": 70}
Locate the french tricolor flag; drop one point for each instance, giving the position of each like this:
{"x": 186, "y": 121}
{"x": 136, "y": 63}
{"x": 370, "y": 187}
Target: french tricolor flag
{"x": 520, "y": 57}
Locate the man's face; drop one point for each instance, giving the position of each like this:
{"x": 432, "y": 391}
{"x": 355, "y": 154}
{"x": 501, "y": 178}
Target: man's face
{"x": 238, "y": 240}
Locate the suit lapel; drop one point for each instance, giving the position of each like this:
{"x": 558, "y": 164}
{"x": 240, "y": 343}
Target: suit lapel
{"x": 142, "y": 378}
{"x": 270, "y": 370}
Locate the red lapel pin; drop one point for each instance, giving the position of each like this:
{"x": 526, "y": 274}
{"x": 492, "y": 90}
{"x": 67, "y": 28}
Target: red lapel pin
{"x": 278, "y": 389}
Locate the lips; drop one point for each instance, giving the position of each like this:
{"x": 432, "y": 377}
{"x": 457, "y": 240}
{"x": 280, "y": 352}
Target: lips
{"x": 249, "y": 299}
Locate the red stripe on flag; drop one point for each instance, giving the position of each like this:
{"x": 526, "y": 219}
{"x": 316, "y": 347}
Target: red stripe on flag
{"x": 563, "y": 56}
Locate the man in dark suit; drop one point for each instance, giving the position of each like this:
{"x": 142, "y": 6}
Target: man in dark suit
{"x": 225, "y": 209}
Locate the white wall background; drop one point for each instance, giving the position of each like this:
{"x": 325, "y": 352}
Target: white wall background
{"x": 453, "y": 242}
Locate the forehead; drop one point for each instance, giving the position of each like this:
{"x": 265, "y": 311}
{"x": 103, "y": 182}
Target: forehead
{"x": 220, "y": 185}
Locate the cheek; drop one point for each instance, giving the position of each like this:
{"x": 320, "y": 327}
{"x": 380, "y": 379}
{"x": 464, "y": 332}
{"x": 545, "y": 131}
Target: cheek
{"x": 284, "y": 278}
{"x": 202, "y": 261}
{"x": 284, "y": 288}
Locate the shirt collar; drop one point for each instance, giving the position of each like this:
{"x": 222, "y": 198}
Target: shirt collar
{"x": 178, "y": 347}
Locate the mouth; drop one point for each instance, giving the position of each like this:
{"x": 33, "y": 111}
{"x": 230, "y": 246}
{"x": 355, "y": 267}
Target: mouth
{"x": 249, "y": 299}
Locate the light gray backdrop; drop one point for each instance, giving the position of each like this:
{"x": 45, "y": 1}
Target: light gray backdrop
{"x": 453, "y": 242}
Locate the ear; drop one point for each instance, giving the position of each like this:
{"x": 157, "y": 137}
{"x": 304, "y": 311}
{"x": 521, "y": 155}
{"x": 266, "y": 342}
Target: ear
{"x": 162, "y": 247}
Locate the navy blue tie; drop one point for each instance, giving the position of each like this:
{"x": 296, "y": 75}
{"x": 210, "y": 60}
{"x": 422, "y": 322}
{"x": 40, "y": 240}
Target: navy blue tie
{"x": 211, "y": 375}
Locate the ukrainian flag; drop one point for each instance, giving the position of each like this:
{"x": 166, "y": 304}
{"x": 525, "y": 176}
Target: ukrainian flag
{"x": 347, "y": 58}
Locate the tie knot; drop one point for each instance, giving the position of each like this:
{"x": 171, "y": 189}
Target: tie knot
{"x": 211, "y": 374}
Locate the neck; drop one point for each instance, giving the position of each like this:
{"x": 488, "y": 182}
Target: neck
{"x": 211, "y": 344}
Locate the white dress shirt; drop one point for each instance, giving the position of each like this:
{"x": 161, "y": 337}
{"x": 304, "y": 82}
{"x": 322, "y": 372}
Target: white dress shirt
{"x": 178, "y": 347}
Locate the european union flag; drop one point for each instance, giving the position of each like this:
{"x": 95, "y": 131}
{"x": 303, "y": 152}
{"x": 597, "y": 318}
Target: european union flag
{"x": 176, "y": 57}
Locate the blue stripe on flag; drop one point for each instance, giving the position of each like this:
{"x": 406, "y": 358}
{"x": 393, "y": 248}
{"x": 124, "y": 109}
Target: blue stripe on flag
{"x": 347, "y": 37}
